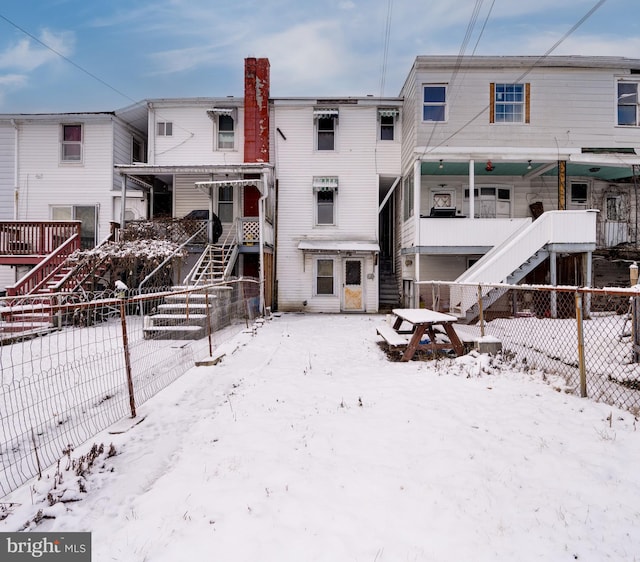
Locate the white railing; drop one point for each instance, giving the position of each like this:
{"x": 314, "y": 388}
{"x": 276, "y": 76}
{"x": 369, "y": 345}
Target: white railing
{"x": 444, "y": 232}
{"x": 552, "y": 227}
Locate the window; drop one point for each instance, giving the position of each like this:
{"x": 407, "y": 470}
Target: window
{"x": 387, "y": 120}
{"x": 326, "y": 125}
{"x": 510, "y": 103}
{"x": 325, "y": 189}
{"x": 628, "y": 113}
{"x": 324, "y": 277}
{"x": 326, "y": 204}
{"x": 579, "y": 192}
{"x": 434, "y": 102}
{"x": 71, "y": 143}
{"x": 225, "y": 203}
{"x": 489, "y": 202}
{"x": 137, "y": 150}
{"x": 407, "y": 196}
{"x": 226, "y": 135}
{"x": 165, "y": 128}
{"x": 88, "y": 215}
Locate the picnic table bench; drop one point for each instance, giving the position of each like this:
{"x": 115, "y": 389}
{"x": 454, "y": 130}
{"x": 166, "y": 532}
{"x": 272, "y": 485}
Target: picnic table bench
{"x": 420, "y": 321}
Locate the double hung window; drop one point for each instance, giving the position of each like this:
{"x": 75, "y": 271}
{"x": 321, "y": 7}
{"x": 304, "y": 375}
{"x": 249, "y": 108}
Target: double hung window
{"x": 71, "y": 149}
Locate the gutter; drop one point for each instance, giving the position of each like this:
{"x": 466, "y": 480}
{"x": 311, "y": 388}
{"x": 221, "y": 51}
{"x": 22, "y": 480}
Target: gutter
{"x": 16, "y": 169}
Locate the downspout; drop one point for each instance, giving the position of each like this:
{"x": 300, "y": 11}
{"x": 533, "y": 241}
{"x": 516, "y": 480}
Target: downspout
{"x": 472, "y": 189}
{"x": 417, "y": 187}
{"x": 151, "y": 134}
{"x": 261, "y": 216}
{"x": 16, "y": 170}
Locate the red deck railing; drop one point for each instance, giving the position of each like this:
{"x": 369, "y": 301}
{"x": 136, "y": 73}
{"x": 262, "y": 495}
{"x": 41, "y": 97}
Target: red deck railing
{"x": 35, "y": 238}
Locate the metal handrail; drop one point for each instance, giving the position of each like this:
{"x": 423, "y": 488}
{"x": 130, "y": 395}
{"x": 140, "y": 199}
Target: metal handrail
{"x": 204, "y": 226}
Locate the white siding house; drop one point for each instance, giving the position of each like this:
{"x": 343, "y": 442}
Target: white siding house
{"x": 491, "y": 142}
{"x": 336, "y": 160}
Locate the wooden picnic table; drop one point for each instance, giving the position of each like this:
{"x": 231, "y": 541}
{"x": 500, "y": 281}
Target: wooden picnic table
{"x": 421, "y": 321}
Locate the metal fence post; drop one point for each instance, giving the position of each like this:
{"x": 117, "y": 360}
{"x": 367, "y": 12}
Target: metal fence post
{"x": 480, "y": 311}
{"x": 581, "y": 365}
{"x": 127, "y": 357}
{"x": 206, "y": 301}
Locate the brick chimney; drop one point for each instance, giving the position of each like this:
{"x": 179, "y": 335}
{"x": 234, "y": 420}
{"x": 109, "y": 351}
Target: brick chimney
{"x": 256, "y": 110}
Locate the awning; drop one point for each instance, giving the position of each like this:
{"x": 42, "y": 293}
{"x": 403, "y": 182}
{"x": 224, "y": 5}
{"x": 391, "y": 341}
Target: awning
{"x": 325, "y": 183}
{"x": 216, "y": 111}
{"x": 388, "y": 112}
{"x": 338, "y": 246}
{"x": 324, "y": 112}
{"x": 228, "y": 183}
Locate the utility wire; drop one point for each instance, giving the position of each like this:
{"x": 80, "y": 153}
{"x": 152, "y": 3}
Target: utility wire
{"x": 385, "y": 50}
{"x": 80, "y": 68}
{"x": 523, "y": 75}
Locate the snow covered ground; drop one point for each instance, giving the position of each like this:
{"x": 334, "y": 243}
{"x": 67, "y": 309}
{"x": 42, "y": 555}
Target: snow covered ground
{"x": 307, "y": 444}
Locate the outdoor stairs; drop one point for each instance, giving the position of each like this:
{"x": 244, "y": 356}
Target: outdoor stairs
{"x": 213, "y": 265}
{"x": 26, "y": 320}
{"x": 388, "y": 294}
{"x": 182, "y": 316}
{"x": 493, "y": 294}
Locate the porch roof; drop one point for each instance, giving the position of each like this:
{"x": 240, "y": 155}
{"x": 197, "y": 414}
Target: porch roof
{"x": 603, "y": 164}
{"x": 151, "y": 169}
{"x": 338, "y": 246}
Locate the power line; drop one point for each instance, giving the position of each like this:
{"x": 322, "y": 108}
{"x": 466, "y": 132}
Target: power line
{"x": 536, "y": 63}
{"x": 385, "y": 50}
{"x": 73, "y": 63}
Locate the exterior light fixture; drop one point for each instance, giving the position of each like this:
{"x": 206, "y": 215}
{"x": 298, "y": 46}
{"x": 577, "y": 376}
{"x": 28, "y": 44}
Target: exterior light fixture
{"x": 489, "y": 167}
{"x": 529, "y": 165}
{"x": 441, "y": 165}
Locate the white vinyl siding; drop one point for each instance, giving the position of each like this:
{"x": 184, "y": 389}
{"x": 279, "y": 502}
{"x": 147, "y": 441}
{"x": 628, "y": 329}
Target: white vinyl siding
{"x": 44, "y": 182}
{"x": 356, "y": 164}
{"x": 193, "y": 142}
{"x": 7, "y": 170}
{"x": 186, "y": 197}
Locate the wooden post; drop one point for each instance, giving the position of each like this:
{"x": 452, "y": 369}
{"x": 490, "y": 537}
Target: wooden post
{"x": 581, "y": 365}
{"x": 127, "y": 358}
{"x": 562, "y": 185}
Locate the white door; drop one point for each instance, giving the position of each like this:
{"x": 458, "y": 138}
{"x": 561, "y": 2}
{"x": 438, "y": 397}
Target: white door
{"x": 352, "y": 292}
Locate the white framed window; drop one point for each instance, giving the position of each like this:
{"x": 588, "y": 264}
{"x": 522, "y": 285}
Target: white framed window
{"x": 87, "y": 214}
{"x": 509, "y": 103}
{"x": 434, "y": 102}
{"x": 71, "y": 142}
{"x": 325, "y": 190}
{"x": 628, "y": 103}
{"x": 165, "y": 128}
{"x": 226, "y": 132}
{"x": 225, "y": 203}
{"x": 387, "y": 124}
{"x": 491, "y": 202}
{"x": 325, "y": 276}
{"x": 407, "y": 197}
{"x": 326, "y": 126}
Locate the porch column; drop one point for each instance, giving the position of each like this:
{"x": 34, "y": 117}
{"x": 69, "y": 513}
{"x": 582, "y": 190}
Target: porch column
{"x": 472, "y": 183}
{"x": 553, "y": 272}
{"x": 211, "y": 213}
{"x": 562, "y": 185}
{"x": 123, "y": 199}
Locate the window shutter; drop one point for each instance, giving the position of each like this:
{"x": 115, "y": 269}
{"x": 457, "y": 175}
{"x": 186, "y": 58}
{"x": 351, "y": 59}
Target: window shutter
{"x": 527, "y": 102}
{"x": 492, "y": 102}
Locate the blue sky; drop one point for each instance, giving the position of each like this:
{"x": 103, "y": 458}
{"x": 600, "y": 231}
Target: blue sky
{"x": 191, "y": 48}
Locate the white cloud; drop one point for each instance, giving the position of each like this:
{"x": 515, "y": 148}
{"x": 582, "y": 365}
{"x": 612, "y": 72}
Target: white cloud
{"x": 27, "y": 55}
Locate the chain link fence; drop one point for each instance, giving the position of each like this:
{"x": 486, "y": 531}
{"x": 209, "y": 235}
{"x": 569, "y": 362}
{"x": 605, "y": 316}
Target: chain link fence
{"x": 586, "y": 340}
{"x": 74, "y": 364}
